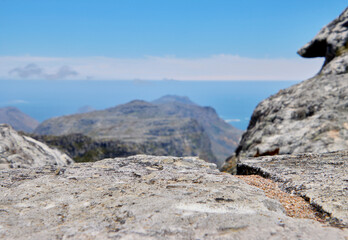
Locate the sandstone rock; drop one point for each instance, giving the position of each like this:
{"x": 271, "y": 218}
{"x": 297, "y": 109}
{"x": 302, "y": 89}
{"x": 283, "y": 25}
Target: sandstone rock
{"x": 320, "y": 178}
{"x": 311, "y": 116}
{"x": 143, "y": 197}
{"x": 18, "y": 151}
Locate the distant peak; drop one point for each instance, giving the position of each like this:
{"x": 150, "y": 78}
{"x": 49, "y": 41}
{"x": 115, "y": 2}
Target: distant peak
{"x": 10, "y": 108}
{"x": 17, "y": 119}
{"x": 85, "y": 109}
{"x": 173, "y": 99}
{"x": 137, "y": 102}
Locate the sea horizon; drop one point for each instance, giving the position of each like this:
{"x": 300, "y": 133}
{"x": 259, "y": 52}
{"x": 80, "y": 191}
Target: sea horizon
{"x": 234, "y": 101}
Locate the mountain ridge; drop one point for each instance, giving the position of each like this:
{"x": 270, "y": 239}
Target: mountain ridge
{"x": 139, "y": 121}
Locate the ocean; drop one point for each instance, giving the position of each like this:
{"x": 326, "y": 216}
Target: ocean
{"x": 234, "y": 101}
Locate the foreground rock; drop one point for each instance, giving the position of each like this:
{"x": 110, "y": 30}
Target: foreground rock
{"x": 18, "y": 151}
{"x": 311, "y": 116}
{"x": 143, "y": 197}
{"x": 320, "y": 178}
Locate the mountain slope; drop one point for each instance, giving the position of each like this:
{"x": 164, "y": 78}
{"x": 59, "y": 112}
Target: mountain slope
{"x": 85, "y": 149}
{"x": 17, "y": 119}
{"x": 223, "y": 136}
{"x": 182, "y": 123}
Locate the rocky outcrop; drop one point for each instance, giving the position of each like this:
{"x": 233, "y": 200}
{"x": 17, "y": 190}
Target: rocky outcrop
{"x": 18, "y": 151}
{"x": 332, "y": 43}
{"x": 311, "y": 116}
{"x": 17, "y": 119}
{"x": 322, "y": 179}
{"x": 170, "y": 119}
{"x": 143, "y": 197}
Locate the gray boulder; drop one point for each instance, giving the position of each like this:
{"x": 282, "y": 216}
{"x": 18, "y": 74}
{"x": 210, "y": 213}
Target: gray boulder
{"x": 311, "y": 116}
{"x": 143, "y": 197}
{"x": 17, "y": 151}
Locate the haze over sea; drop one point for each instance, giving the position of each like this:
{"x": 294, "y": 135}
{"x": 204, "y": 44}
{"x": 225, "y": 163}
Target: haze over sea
{"x": 234, "y": 101}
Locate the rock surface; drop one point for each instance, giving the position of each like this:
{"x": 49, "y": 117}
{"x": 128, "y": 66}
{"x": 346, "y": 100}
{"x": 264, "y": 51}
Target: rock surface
{"x": 332, "y": 43}
{"x": 320, "y": 178}
{"x": 18, "y": 151}
{"x": 311, "y": 116}
{"x": 168, "y": 119}
{"x": 143, "y": 197}
{"x": 17, "y": 119}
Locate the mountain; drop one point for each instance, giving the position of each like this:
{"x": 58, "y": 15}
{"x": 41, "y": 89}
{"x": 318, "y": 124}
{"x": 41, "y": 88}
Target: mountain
{"x": 311, "y": 116}
{"x": 17, "y": 119}
{"x": 18, "y": 151}
{"x": 190, "y": 140}
{"x": 85, "y": 109}
{"x": 168, "y": 120}
{"x": 173, "y": 99}
{"x": 223, "y": 136}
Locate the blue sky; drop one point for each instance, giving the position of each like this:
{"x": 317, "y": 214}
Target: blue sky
{"x": 167, "y": 39}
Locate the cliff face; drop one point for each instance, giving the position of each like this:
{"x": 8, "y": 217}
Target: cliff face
{"x": 18, "y": 151}
{"x": 17, "y": 119}
{"x": 143, "y": 197}
{"x": 311, "y": 116}
{"x": 171, "y": 121}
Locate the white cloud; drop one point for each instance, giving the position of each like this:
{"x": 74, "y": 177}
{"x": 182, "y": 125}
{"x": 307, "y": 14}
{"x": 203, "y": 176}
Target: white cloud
{"x": 19, "y": 101}
{"x": 14, "y": 102}
{"x": 232, "y": 120}
{"x": 218, "y": 67}
{"x": 32, "y": 70}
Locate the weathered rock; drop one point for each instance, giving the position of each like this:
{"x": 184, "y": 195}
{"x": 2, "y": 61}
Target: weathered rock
{"x": 143, "y": 197}
{"x": 311, "y": 116}
{"x": 320, "y": 178}
{"x": 18, "y": 151}
{"x": 331, "y": 42}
